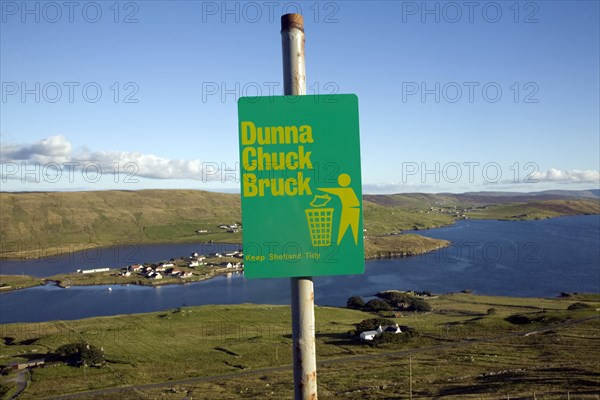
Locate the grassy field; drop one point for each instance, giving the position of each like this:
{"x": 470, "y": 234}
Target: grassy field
{"x": 387, "y": 219}
{"x": 462, "y": 349}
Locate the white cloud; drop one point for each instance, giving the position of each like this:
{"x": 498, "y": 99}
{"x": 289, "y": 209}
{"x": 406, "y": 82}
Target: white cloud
{"x": 567, "y": 176}
{"x": 53, "y": 149}
{"x": 57, "y": 149}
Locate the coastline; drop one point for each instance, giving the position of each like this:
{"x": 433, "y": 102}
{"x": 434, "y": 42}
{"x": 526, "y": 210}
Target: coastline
{"x": 150, "y": 283}
{"x": 376, "y": 247}
{"x": 397, "y": 246}
{"x": 64, "y": 282}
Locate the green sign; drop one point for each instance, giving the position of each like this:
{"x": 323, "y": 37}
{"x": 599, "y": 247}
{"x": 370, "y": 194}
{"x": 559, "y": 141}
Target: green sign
{"x": 301, "y": 186}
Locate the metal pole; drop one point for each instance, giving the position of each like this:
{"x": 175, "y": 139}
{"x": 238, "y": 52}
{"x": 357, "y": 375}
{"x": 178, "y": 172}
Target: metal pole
{"x": 303, "y": 295}
{"x": 292, "y": 44}
{"x": 410, "y": 377}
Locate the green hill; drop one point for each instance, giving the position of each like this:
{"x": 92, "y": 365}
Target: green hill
{"x": 33, "y": 223}
{"x": 45, "y": 223}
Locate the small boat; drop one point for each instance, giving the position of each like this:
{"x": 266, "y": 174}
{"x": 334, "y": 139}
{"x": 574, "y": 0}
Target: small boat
{"x": 110, "y": 289}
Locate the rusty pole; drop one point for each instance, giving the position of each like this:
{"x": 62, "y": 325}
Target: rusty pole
{"x": 303, "y": 295}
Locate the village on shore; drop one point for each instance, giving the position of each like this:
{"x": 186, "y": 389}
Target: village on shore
{"x": 194, "y": 267}
{"x": 178, "y": 268}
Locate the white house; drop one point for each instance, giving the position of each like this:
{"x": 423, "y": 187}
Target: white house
{"x": 92, "y": 271}
{"x": 194, "y": 263}
{"x": 158, "y": 276}
{"x": 368, "y": 335}
{"x": 391, "y": 328}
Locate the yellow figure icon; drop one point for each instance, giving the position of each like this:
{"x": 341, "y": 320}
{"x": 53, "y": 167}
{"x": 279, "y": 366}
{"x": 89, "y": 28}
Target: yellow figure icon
{"x": 350, "y": 207}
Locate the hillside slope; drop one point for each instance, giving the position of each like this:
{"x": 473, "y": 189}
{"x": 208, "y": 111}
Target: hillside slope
{"x": 45, "y": 223}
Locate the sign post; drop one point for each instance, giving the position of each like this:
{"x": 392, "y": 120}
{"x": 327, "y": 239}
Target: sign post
{"x": 301, "y": 193}
{"x": 302, "y": 290}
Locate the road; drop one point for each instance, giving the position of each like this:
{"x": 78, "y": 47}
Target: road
{"x": 21, "y": 378}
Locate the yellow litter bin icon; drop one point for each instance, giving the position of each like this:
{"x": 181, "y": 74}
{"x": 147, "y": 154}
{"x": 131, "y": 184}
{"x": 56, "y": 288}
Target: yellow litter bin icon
{"x": 320, "y": 221}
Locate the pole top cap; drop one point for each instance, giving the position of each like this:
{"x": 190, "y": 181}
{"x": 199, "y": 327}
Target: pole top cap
{"x": 289, "y": 21}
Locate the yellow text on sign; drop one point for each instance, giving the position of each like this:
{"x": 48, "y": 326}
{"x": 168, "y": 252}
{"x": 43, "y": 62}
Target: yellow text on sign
{"x": 298, "y": 186}
{"x": 254, "y": 157}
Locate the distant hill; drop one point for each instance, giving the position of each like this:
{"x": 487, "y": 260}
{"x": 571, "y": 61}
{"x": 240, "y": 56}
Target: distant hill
{"x": 34, "y": 224}
{"x": 482, "y": 198}
{"x": 491, "y": 197}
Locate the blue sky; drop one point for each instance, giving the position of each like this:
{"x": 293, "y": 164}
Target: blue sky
{"x": 453, "y": 96}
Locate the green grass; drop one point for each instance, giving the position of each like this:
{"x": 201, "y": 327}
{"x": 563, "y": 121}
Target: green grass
{"x": 12, "y": 282}
{"x": 588, "y": 297}
{"x": 172, "y": 344}
{"x": 384, "y": 220}
{"x": 7, "y": 390}
{"x": 212, "y": 340}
